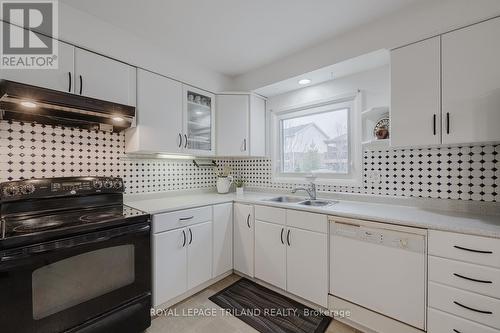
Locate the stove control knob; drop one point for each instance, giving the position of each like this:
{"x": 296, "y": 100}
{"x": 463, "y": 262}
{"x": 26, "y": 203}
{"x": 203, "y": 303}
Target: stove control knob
{"x": 97, "y": 184}
{"x": 11, "y": 191}
{"x": 27, "y": 189}
{"x": 118, "y": 184}
{"x": 108, "y": 184}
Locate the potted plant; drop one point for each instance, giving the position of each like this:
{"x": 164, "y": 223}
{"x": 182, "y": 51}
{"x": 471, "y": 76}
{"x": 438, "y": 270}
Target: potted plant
{"x": 224, "y": 179}
{"x": 239, "y": 183}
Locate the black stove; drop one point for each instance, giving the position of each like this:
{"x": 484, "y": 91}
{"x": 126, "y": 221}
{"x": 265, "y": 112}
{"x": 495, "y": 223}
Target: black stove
{"x": 56, "y": 226}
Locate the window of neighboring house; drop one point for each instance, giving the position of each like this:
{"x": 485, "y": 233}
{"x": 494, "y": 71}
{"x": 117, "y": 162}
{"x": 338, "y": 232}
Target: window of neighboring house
{"x": 319, "y": 139}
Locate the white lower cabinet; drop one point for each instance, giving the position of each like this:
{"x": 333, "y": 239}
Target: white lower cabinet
{"x": 244, "y": 239}
{"x": 182, "y": 258}
{"x": 307, "y": 265}
{"x": 270, "y": 253}
{"x": 169, "y": 265}
{"x": 291, "y": 252}
{"x": 222, "y": 239}
{"x": 199, "y": 257}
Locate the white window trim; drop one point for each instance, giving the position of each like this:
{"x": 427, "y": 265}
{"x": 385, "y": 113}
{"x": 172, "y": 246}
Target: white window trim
{"x": 354, "y": 178}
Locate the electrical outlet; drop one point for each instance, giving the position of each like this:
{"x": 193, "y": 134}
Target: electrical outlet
{"x": 374, "y": 177}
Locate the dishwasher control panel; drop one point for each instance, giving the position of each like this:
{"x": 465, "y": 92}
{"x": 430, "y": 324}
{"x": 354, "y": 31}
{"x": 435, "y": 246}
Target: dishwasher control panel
{"x": 385, "y": 237}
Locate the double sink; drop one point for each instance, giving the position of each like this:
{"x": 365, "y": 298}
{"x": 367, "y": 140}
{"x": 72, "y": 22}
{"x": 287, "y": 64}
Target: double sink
{"x": 300, "y": 201}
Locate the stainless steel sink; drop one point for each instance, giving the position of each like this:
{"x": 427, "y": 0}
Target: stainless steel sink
{"x": 286, "y": 199}
{"x": 317, "y": 203}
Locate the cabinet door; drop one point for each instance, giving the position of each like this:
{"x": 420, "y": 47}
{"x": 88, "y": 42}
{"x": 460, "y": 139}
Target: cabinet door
{"x": 61, "y": 79}
{"x": 199, "y": 254}
{"x": 270, "y": 253}
{"x": 257, "y": 126}
{"x": 159, "y": 115}
{"x": 199, "y": 125}
{"x": 471, "y": 84}
{"x": 306, "y": 265}
{"x": 244, "y": 239}
{"x": 232, "y": 125}
{"x": 415, "y": 94}
{"x": 223, "y": 239}
{"x": 169, "y": 265}
{"x": 103, "y": 78}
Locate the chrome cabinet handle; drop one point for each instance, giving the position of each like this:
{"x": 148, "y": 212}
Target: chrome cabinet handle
{"x": 248, "y": 221}
{"x": 282, "y": 230}
{"x": 81, "y": 84}
{"x": 186, "y": 218}
{"x": 288, "y": 238}
{"x": 190, "y": 236}
{"x": 184, "y": 238}
{"x": 180, "y": 140}
{"x": 472, "y": 250}
{"x": 472, "y": 309}
{"x": 69, "y": 76}
{"x": 471, "y": 279}
{"x": 185, "y": 143}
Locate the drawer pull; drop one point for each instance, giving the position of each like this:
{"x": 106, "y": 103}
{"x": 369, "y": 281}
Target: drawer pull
{"x": 456, "y": 331}
{"x": 186, "y": 218}
{"x": 471, "y": 309}
{"x": 471, "y": 279}
{"x": 471, "y": 250}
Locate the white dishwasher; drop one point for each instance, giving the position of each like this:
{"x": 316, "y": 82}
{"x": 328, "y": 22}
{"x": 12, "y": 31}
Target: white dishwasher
{"x": 380, "y": 267}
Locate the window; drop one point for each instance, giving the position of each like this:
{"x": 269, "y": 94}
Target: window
{"x": 320, "y": 139}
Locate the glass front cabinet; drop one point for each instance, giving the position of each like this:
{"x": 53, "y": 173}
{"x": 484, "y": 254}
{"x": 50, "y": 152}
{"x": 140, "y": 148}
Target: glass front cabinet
{"x": 199, "y": 131}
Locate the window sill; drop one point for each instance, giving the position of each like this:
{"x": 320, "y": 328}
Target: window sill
{"x": 355, "y": 182}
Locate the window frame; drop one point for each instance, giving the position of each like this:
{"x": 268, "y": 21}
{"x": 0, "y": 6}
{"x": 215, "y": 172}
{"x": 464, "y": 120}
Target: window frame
{"x": 353, "y": 177}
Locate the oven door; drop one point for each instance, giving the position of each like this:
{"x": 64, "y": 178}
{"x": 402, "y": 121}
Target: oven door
{"x": 69, "y": 283}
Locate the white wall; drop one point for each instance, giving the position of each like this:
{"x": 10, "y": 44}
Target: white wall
{"x": 375, "y": 85}
{"x": 424, "y": 19}
{"x": 82, "y": 29}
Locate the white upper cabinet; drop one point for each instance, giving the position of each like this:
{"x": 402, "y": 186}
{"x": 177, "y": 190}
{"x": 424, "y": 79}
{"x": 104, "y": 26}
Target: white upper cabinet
{"x": 415, "y": 94}
{"x": 199, "y": 124}
{"x": 241, "y": 125}
{"x": 103, "y": 78}
{"x": 159, "y": 116}
{"x": 61, "y": 79}
{"x": 471, "y": 83}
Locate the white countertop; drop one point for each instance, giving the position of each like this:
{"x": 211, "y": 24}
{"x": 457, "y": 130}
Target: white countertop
{"x": 475, "y": 224}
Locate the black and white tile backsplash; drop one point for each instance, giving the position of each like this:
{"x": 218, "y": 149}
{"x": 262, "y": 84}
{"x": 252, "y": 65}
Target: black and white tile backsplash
{"x": 33, "y": 150}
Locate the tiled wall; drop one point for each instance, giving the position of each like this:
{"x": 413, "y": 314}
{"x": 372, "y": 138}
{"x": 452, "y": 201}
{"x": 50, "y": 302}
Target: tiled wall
{"x": 29, "y": 150}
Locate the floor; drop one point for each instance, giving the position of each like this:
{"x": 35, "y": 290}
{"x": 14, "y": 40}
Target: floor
{"x": 180, "y": 320}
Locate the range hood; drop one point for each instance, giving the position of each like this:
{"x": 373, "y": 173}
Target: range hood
{"x": 23, "y": 102}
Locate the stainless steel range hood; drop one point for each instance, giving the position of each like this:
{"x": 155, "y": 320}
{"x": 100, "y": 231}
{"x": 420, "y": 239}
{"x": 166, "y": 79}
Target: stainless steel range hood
{"x": 23, "y": 102}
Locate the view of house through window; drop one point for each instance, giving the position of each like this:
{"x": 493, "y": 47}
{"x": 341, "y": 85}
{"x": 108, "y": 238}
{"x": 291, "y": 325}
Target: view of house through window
{"x": 316, "y": 141}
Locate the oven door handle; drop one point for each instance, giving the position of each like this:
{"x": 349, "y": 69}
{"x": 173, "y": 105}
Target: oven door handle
{"x": 68, "y": 243}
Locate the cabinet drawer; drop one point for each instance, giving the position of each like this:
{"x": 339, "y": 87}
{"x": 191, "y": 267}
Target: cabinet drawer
{"x": 181, "y": 218}
{"x": 481, "y": 309}
{"x": 270, "y": 214}
{"x": 473, "y": 249}
{"x": 307, "y": 221}
{"x": 479, "y": 279}
{"x": 441, "y": 322}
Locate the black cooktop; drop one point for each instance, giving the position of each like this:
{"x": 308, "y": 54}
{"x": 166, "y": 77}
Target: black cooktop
{"x": 30, "y": 229}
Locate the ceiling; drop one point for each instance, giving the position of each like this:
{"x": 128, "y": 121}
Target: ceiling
{"x": 348, "y": 67}
{"x": 233, "y": 37}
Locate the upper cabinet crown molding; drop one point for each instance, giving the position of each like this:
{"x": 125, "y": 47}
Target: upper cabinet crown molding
{"x": 446, "y": 89}
{"x": 241, "y": 125}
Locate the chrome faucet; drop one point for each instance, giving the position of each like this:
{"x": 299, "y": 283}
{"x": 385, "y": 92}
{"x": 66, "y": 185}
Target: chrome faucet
{"x": 311, "y": 190}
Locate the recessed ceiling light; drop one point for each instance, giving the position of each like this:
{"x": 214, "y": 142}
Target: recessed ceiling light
{"x": 304, "y": 81}
{"x": 118, "y": 119}
{"x": 28, "y": 104}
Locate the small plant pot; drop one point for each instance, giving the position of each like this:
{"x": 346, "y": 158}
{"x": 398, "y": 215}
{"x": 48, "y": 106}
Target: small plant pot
{"x": 224, "y": 184}
{"x": 239, "y": 191}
